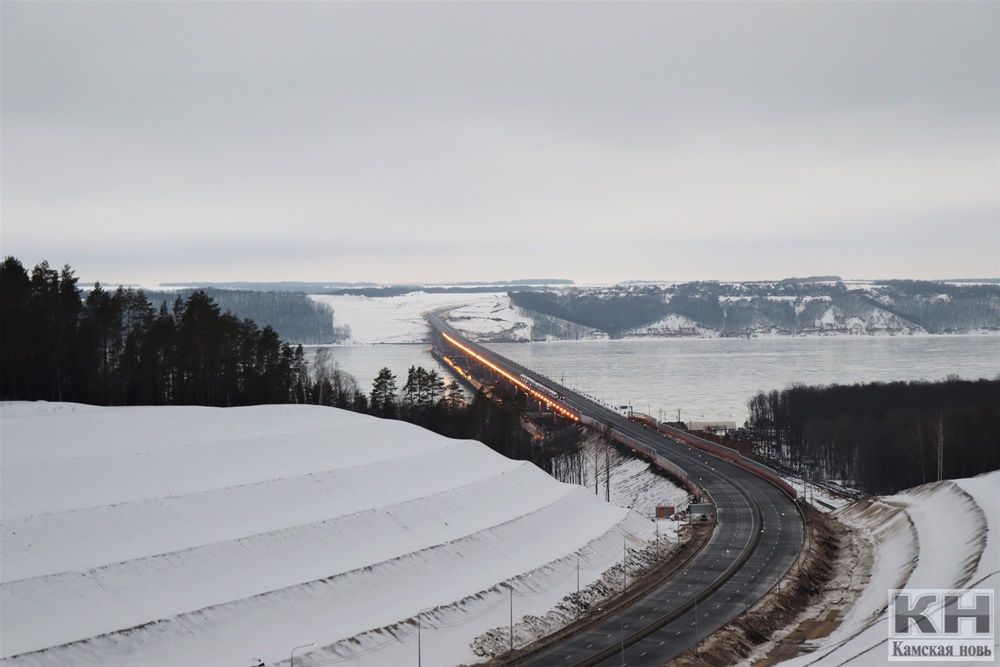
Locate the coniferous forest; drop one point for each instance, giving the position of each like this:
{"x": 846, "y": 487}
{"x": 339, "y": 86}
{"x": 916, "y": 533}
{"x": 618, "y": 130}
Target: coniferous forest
{"x": 113, "y": 347}
{"x": 293, "y": 315}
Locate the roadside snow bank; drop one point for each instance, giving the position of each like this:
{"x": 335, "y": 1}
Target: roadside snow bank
{"x": 634, "y": 483}
{"x": 185, "y": 535}
{"x": 938, "y": 535}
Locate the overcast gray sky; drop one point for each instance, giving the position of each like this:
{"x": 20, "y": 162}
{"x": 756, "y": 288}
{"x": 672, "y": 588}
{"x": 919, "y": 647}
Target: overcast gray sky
{"x": 599, "y": 142}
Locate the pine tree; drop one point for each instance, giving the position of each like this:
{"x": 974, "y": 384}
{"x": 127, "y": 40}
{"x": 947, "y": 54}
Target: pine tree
{"x": 435, "y": 387}
{"x": 383, "y": 396}
{"x": 15, "y": 319}
{"x": 411, "y": 388}
{"x": 454, "y": 397}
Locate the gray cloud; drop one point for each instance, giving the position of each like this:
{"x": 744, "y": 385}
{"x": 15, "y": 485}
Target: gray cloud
{"x": 147, "y": 142}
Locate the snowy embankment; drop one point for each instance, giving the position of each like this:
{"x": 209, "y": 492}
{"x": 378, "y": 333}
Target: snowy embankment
{"x": 184, "y": 535}
{"x": 634, "y": 484}
{"x": 939, "y": 535}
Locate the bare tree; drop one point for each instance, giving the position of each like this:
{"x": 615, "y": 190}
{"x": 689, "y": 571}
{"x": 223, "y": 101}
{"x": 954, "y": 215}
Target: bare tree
{"x": 321, "y": 373}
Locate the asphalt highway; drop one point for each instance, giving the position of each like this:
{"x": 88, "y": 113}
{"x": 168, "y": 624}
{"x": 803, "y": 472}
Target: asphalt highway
{"x": 758, "y": 537}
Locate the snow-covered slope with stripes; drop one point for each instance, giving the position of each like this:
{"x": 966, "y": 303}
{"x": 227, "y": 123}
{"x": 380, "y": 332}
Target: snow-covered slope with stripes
{"x": 185, "y": 535}
{"x": 939, "y": 535}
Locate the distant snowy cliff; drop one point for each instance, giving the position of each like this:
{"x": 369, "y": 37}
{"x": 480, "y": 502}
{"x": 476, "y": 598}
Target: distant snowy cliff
{"x": 707, "y": 309}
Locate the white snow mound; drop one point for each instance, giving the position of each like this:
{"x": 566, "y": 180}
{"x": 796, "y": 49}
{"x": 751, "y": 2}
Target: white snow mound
{"x": 186, "y": 535}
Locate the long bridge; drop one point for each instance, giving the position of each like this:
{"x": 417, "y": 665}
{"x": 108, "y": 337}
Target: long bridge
{"x": 758, "y": 535}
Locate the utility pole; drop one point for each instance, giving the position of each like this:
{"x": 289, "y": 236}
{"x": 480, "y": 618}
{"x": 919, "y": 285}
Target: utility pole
{"x": 579, "y": 600}
{"x": 419, "y": 632}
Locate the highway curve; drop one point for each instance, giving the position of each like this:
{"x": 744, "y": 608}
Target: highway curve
{"x": 758, "y": 537}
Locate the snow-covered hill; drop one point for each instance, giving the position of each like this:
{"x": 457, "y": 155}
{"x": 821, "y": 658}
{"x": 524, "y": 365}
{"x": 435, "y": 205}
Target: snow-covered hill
{"x": 939, "y": 535}
{"x": 699, "y": 310}
{"x": 185, "y": 535}
{"x": 787, "y": 307}
{"x": 392, "y": 319}
{"x": 485, "y": 317}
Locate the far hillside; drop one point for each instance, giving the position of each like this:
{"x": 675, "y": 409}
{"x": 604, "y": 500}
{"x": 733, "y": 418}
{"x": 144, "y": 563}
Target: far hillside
{"x": 822, "y": 305}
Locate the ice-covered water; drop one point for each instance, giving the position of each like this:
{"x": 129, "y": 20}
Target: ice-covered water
{"x": 711, "y": 378}
{"x": 714, "y": 378}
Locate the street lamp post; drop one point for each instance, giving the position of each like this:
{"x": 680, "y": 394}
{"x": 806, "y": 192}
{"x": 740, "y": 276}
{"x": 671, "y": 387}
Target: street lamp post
{"x": 579, "y": 602}
{"x": 625, "y": 536}
{"x": 419, "y": 638}
{"x": 511, "y": 619}
{"x": 624, "y": 565}
{"x": 291, "y": 656}
{"x": 696, "y": 618}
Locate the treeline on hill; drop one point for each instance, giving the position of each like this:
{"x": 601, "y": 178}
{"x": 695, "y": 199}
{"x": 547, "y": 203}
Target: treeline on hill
{"x": 296, "y": 317}
{"x": 614, "y": 315}
{"x": 115, "y": 348}
{"x": 881, "y": 437}
{"x": 426, "y": 400}
{"x": 793, "y": 306}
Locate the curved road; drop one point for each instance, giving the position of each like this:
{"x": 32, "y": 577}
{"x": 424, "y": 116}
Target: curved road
{"x": 756, "y": 521}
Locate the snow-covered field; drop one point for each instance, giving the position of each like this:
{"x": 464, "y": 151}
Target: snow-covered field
{"x": 392, "y": 319}
{"x": 185, "y": 535}
{"x": 485, "y": 317}
{"x": 492, "y": 317}
{"x": 400, "y": 319}
{"x": 939, "y": 535}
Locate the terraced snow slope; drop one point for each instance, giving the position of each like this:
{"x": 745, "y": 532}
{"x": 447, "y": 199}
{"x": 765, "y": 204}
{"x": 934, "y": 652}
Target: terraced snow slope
{"x": 940, "y": 535}
{"x": 185, "y": 535}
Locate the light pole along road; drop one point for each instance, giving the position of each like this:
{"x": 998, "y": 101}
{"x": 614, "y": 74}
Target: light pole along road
{"x": 757, "y": 538}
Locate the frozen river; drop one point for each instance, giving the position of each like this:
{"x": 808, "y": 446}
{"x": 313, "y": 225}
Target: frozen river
{"x": 712, "y": 378}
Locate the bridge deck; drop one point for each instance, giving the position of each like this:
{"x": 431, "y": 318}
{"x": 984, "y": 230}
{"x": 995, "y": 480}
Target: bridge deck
{"x": 758, "y": 538}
